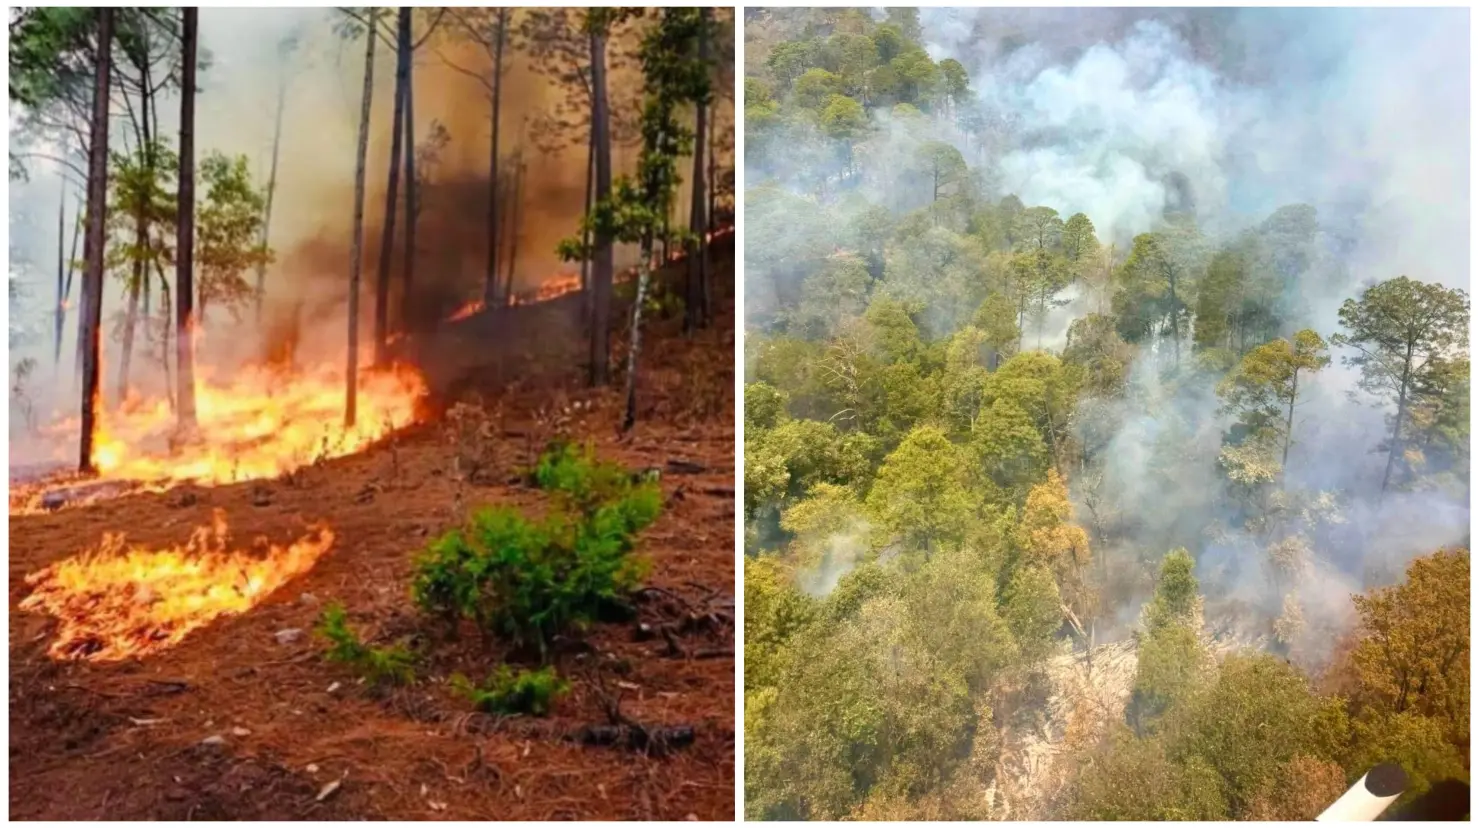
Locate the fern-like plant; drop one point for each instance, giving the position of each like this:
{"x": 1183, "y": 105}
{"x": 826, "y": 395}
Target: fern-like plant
{"x": 509, "y": 692}
{"x": 378, "y": 665}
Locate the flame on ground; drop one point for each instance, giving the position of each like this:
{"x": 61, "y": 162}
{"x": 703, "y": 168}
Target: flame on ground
{"x": 556, "y": 286}
{"x": 118, "y": 602}
{"x": 264, "y": 423}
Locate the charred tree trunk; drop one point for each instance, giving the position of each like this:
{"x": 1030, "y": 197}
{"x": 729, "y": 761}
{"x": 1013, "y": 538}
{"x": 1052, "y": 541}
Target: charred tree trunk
{"x": 97, "y": 196}
{"x": 698, "y": 276}
{"x": 356, "y": 256}
{"x": 408, "y": 264}
{"x": 490, "y": 284}
{"x": 515, "y": 194}
{"x": 387, "y": 236}
{"x": 282, "y": 94}
{"x": 601, "y": 265}
{"x": 185, "y": 246}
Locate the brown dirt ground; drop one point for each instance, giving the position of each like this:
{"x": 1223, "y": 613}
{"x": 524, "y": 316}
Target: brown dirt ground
{"x": 124, "y": 740}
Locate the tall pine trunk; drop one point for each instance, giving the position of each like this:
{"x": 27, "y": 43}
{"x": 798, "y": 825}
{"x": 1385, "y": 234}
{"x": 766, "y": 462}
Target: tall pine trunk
{"x": 130, "y": 322}
{"x": 60, "y": 315}
{"x": 490, "y": 283}
{"x": 143, "y": 241}
{"x": 697, "y": 315}
{"x": 282, "y": 94}
{"x": 516, "y": 192}
{"x": 601, "y": 265}
{"x": 413, "y": 207}
{"x": 392, "y": 187}
{"x": 356, "y": 256}
{"x": 585, "y": 233}
{"x": 644, "y": 268}
{"x": 92, "y": 279}
{"x": 166, "y": 325}
{"x": 78, "y": 231}
{"x": 185, "y": 246}
{"x": 713, "y": 187}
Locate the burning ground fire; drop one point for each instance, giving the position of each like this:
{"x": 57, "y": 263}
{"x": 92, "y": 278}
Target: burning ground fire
{"x": 118, "y": 602}
{"x": 266, "y": 421}
{"x": 557, "y": 286}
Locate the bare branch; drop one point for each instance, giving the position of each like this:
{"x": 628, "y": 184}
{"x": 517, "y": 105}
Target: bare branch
{"x": 478, "y": 76}
{"x": 432, "y": 28}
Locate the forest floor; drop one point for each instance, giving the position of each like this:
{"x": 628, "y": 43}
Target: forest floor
{"x": 244, "y": 719}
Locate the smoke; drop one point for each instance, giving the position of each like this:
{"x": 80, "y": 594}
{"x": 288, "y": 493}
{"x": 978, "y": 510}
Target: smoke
{"x": 839, "y": 554}
{"x": 313, "y": 206}
{"x": 1360, "y": 113}
{"x": 1227, "y": 114}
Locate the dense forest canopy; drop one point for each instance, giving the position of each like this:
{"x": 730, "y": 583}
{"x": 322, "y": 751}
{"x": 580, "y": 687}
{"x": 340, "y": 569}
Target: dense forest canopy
{"x": 1106, "y": 434}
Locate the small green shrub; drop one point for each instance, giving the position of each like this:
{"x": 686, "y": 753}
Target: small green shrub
{"x": 378, "y": 665}
{"x": 532, "y": 580}
{"x": 510, "y": 692}
{"x": 573, "y": 473}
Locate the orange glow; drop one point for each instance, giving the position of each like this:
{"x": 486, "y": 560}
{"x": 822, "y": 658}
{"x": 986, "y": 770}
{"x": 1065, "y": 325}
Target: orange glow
{"x": 116, "y": 602}
{"x": 467, "y": 310}
{"x": 264, "y": 423}
{"x": 556, "y": 286}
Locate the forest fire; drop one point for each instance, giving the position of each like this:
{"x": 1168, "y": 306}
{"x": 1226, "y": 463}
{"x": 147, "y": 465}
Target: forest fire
{"x": 564, "y": 285}
{"x": 118, "y": 602}
{"x": 264, "y": 422}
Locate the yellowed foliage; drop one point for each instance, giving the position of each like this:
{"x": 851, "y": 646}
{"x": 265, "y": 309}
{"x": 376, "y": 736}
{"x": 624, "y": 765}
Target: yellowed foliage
{"x": 1050, "y": 538}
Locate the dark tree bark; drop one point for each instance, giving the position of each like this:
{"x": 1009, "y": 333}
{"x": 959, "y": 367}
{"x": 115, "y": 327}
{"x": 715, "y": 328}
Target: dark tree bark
{"x": 185, "y": 246}
{"x": 392, "y": 187}
{"x": 92, "y": 277}
{"x": 413, "y": 207}
{"x": 601, "y": 265}
{"x": 585, "y": 235}
{"x": 698, "y": 276}
{"x": 351, "y": 375}
{"x": 516, "y": 193}
{"x": 141, "y": 241}
{"x": 713, "y": 187}
{"x": 490, "y": 284}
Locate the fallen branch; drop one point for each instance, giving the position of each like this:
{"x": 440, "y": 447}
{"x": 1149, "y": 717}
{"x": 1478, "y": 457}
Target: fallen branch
{"x": 657, "y": 741}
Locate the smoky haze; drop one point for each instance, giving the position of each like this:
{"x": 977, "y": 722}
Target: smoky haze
{"x": 312, "y": 213}
{"x": 1119, "y": 113}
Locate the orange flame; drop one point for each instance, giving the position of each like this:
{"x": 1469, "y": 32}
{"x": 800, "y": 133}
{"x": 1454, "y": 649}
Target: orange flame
{"x": 475, "y": 306}
{"x": 114, "y": 602}
{"x": 556, "y": 286}
{"x": 264, "y": 423}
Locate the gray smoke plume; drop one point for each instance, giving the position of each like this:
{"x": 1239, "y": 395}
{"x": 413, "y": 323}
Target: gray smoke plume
{"x": 1226, "y": 114}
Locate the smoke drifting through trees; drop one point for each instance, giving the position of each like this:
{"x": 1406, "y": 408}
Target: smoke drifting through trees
{"x": 313, "y": 197}
{"x": 1174, "y": 206}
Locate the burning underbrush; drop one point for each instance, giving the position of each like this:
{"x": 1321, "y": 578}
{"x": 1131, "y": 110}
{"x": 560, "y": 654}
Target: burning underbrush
{"x": 117, "y": 602}
{"x": 260, "y": 422}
